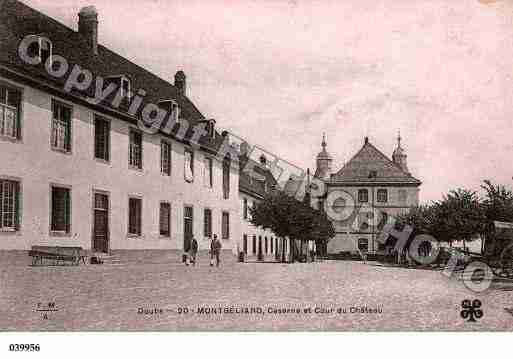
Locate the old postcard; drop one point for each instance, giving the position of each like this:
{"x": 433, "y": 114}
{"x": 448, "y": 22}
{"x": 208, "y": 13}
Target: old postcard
{"x": 256, "y": 166}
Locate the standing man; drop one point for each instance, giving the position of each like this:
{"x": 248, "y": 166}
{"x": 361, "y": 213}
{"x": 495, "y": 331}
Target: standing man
{"x": 193, "y": 251}
{"x": 215, "y": 250}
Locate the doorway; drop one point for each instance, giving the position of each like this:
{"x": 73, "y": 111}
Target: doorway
{"x": 101, "y": 222}
{"x": 187, "y": 227}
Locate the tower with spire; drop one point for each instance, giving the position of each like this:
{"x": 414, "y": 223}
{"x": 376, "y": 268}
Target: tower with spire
{"x": 324, "y": 161}
{"x": 399, "y": 155}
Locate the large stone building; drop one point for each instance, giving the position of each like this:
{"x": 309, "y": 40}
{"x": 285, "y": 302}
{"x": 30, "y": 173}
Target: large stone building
{"x": 80, "y": 172}
{"x": 256, "y": 243}
{"x": 361, "y": 196}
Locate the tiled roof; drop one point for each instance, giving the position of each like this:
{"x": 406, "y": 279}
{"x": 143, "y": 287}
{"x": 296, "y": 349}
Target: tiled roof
{"x": 253, "y": 182}
{"x": 18, "y": 20}
{"x": 367, "y": 160}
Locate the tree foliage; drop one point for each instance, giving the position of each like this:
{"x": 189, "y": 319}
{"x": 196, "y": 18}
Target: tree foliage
{"x": 290, "y": 218}
{"x": 462, "y": 214}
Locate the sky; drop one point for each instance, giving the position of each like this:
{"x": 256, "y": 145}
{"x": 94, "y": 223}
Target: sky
{"x": 280, "y": 73}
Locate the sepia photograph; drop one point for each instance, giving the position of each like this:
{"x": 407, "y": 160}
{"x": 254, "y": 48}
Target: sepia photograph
{"x": 255, "y": 166}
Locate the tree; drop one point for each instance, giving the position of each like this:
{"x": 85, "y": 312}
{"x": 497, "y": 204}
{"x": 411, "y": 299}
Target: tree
{"x": 459, "y": 215}
{"x": 497, "y": 206}
{"x": 290, "y": 218}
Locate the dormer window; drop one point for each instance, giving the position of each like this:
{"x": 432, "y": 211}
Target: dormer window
{"x": 123, "y": 84}
{"x": 42, "y": 49}
{"x": 171, "y": 107}
{"x": 45, "y": 50}
{"x": 211, "y": 128}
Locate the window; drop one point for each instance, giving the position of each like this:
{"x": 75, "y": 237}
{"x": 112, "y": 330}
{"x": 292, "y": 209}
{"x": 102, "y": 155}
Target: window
{"x": 364, "y": 218}
{"x": 226, "y": 177}
{"x": 101, "y": 138}
{"x": 188, "y": 220}
{"x": 165, "y": 158}
{"x": 210, "y": 128}
{"x": 10, "y": 103}
{"x": 373, "y": 174}
{"x": 207, "y": 223}
{"x": 172, "y": 113}
{"x": 245, "y": 208}
{"x": 254, "y": 245}
{"x": 272, "y": 245}
{"x": 245, "y": 244}
{"x": 165, "y": 219}
{"x": 189, "y": 165}
{"x": 9, "y": 205}
{"x": 61, "y": 210}
{"x": 135, "y": 149}
{"x": 252, "y": 205}
{"x": 382, "y": 195}
{"x": 134, "y": 216}
{"x": 125, "y": 87}
{"x": 41, "y": 49}
{"x": 363, "y": 195}
{"x": 384, "y": 220}
{"x": 266, "y": 245}
{"x": 225, "y": 225}
{"x": 363, "y": 244}
{"x": 61, "y": 127}
{"x": 403, "y": 195}
{"x": 207, "y": 172}
{"x": 123, "y": 84}
{"x": 338, "y": 205}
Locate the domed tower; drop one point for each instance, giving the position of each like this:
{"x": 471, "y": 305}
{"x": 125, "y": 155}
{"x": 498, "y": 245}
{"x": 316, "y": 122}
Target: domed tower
{"x": 324, "y": 161}
{"x": 399, "y": 155}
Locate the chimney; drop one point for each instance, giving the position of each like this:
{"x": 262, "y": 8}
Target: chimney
{"x": 88, "y": 27}
{"x": 263, "y": 160}
{"x": 181, "y": 83}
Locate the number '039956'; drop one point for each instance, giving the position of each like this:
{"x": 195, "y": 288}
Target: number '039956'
{"x": 24, "y": 347}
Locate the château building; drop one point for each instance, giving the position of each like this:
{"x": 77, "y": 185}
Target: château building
{"x": 368, "y": 184}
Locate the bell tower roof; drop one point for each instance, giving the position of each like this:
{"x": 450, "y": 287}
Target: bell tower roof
{"x": 399, "y": 155}
{"x": 324, "y": 155}
{"x": 399, "y": 151}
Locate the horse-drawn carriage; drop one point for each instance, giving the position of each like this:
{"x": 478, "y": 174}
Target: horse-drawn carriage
{"x": 498, "y": 249}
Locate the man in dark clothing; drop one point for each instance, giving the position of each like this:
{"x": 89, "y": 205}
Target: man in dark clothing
{"x": 193, "y": 251}
{"x": 215, "y": 250}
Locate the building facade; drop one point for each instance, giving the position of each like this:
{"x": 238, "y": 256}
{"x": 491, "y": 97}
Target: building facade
{"x": 79, "y": 173}
{"x": 363, "y": 194}
{"x": 256, "y": 243}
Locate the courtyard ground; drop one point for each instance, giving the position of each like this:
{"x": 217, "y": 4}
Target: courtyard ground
{"x": 112, "y": 297}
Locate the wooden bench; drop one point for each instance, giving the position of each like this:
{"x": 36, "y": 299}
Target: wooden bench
{"x": 57, "y": 254}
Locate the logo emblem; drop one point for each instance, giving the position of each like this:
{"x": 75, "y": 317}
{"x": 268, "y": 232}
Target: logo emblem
{"x": 471, "y": 310}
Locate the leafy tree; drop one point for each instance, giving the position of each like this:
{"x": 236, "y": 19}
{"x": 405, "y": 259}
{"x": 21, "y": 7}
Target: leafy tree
{"x": 290, "y": 218}
{"x": 497, "y": 206}
{"x": 461, "y": 215}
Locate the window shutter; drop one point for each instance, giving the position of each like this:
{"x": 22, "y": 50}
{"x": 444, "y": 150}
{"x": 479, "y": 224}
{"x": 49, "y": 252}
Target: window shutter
{"x": 226, "y": 178}
{"x": 205, "y": 173}
{"x": 188, "y": 166}
{"x": 17, "y": 217}
{"x": 67, "y": 120}
{"x": 97, "y": 139}
{"x": 15, "y": 101}
{"x": 1, "y": 203}
{"x": 67, "y": 204}
{"x": 106, "y": 136}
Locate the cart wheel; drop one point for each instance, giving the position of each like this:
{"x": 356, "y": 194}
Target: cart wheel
{"x": 507, "y": 261}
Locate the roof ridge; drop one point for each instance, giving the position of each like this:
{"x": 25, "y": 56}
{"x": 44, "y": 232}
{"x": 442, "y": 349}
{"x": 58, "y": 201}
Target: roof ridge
{"x": 382, "y": 157}
{"x": 104, "y": 48}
